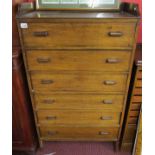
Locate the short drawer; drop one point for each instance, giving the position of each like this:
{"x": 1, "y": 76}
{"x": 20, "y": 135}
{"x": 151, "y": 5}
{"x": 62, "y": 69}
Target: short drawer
{"x": 77, "y": 101}
{"x": 78, "y": 60}
{"x": 137, "y": 91}
{"x": 79, "y": 82}
{"x": 78, "y": 117}
{"x": 79, "y": 133}
{"x": 139, "y": 75}
{"x": 137, "y": 99}
{"x": 79, "y": 35}
{"x": 138, "y": 84}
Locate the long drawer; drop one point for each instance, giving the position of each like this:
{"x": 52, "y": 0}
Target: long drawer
{"x": 79, "y": 35}
{"x": 78, "y": 101}
{"x": 78, "y": 60}
{"x": 78, "y": 117}
{"x": 80, "y": 81}
{"x": 78, "y": 133}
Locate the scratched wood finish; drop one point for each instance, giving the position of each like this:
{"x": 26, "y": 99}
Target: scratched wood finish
{"x": 68, "y": 35}
{"x": 76, "y": 101}
{"x": 79, "y": 60}
{"x": 78, "y": 117}
{"x": 78, "y": 133}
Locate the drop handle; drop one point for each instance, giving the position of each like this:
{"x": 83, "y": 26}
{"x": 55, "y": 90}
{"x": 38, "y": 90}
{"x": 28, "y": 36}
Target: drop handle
{"x": 112, "y": 60}
{"x": 48, "y": 101}
{"x": 51, "y": 133}
{"x": 115, "y": 34}
{"x": 107, "y": 102}
{"x": 103, "y": 133}
{"x": 109, "y": 82}
{"x": 106, "y": 117}
{"x": 51, "y": 117}
{"x": 40, "y": 34}
{"x": 47, "y": 81}
{"x": 43, "y": 60}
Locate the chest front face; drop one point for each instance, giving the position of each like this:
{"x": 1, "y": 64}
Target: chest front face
{"x": 78, "y": 72}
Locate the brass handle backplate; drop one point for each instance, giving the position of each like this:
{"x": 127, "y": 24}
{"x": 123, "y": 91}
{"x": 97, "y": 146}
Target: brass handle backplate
{"x": 51, "y": 117}
{"x": 43, "y": 60}
{"x": 103, "y": 133}
{"x": 51, "y": 133}
{"x": 47, "y": 81}
{"x": 107, "y": 101}
{"x": 115, "y": 34}
{"x": 106, "y": 117}
{"x": 40, "y": 34}
{"x": 112, "y": 60}
{"x": 48, "y": 101}
{"x": 109, "y": 82}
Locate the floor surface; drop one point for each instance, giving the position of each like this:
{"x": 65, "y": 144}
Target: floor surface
{"x": 78, "y": 148}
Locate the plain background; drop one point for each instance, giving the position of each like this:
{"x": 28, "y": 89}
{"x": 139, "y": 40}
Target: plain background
{"x": 148, "y": 77}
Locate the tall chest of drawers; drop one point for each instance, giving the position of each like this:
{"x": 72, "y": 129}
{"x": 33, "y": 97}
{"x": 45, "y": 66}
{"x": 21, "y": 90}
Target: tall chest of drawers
{"x": 78, "y": 68}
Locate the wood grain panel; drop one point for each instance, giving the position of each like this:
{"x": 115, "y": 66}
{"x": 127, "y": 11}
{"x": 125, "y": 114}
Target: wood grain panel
{"x": 78, "y": 133}
{"x": 92, "y": 60}
{"x": 80, "y": 35}
{"x": 78, "y": 117}
{"x": 79, "y": 82}
{"x": 76, "y": 101}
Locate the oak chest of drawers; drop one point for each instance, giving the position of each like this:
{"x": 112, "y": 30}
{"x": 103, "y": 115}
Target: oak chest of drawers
{"x": 78, "y": 68}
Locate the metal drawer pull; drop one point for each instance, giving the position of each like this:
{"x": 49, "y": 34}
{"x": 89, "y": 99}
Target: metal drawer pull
{"x": 112, "y": 60}
{"x": 107, "y": 101}
{"x": 106, "y": 118}
{"x": 43, "y": 60}
{"x": 115, "y": 34}
{"x": 48, "y": 101}
{"x": 51, "y": 133}
{"x": 51, "y": 117}
{"x": 41, "y": 34}
{"x": 47, "y": 81}
{"x": 109, "y": 82}
{"x": 103, "y": 133}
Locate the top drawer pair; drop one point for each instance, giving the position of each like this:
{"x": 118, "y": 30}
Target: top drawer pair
{"x": 69, "y": 35}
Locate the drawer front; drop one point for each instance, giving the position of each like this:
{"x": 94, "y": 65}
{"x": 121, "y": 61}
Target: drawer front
{"x": 79, "y": 82}
{"x": 78, "y": 133}
{"x": 78, "y": 117}
{"x": 78, "y": 101}
{"x": 78, "y": 60}
{"x": 79, "y": 35}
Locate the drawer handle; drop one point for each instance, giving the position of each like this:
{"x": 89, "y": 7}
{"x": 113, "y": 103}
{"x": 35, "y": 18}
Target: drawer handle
{"x": 40, "y": 34}
{"x": 43, "y": 60}
{"x": 112, "y": 60}
{"x": 115, "y": 34}
{"x": 47, "y": 81}
{"x": 51, "y": 117}
{"x": 51, "y": 133}
{"x": 106, "y": 118}
{"x": 103, "y": 133}
{"x": 48, "y": 101}
{"x": 109, "y": 82}
{"x": 107, "y": 101}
